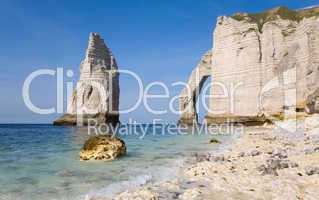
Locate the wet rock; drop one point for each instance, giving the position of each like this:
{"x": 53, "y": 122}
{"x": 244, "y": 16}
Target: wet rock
{"x": 255, "y": 153}
{"x": 279, "y": 153}
{"x": 274, "y": 164}
{"x": 241, "y": 154}
{"x": 269, "y": 151}
{"x": 293, "y": 165}
{"x": 278, "y": 163}
{"x": 65, "y": 173}
{"x": 175, "y": 195}
{"x": 232, "y": 168}
{"x": 289, "y": 144}
{"x": 27, "y": 181}
{"x": 217, "y": 158}
{"x": 202, "y": 157}
{"x": 215, "y": 141}
{"x": 269, "y": 138}
{"x": 103, "y": 147}
{"x": 266, "y": 170}
{"x": 209, "y": 157}
{"x": 307, "y": 139}
{"x": 66, "y": 185}
{"x": 310, "y": 170}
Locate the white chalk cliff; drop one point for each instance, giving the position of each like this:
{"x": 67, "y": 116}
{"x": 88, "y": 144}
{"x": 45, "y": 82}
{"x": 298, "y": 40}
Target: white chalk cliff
{"x": 268, "y": 63}
{"x": 97, "y": 92}
{"x": 189, "y": 95}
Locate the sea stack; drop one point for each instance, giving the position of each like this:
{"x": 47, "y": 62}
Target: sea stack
{"x": 96, "y": 96}
{"x": 259, "y": 64}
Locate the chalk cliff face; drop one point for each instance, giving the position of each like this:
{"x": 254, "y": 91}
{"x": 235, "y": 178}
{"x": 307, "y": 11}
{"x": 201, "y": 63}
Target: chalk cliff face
{"x": 97, "y": 92}
{"x": 268, "y": 64}
{"x": 189, "y": 95}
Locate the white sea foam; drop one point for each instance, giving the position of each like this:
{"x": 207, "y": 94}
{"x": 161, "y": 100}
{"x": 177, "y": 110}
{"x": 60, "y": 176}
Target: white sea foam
{"x": 122, "y": 186}
{"x": 157, "y": 174}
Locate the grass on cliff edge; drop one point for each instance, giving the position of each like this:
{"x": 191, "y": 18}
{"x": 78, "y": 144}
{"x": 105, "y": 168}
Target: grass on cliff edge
{"x": 270, "y": 15}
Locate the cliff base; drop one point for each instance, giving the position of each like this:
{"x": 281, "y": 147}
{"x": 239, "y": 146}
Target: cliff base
{"x": 100, "y": 118}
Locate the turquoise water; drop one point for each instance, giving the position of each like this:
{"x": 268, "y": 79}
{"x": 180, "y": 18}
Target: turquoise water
{"x": 41, "y": 162}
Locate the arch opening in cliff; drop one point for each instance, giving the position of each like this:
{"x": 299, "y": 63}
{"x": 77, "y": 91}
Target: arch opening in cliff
{"x": 202, "y": 102}
{"x": 190, "y": 94}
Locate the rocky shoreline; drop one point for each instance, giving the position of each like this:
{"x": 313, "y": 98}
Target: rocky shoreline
{"x": 267, "y": 162}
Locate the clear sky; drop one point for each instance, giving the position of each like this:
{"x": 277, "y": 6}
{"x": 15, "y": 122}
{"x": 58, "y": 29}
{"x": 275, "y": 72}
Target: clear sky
{"x": 159, "y": 40}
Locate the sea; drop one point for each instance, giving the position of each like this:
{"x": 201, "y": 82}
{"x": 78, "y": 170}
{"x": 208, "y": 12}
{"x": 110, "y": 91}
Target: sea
{"x": 41, "y": 161}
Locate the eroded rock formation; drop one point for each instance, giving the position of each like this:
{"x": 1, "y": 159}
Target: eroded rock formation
{"x": 189, "y": 95}
{"x": 268, "y": 63}
{"x": 104, "y": 147}
{"x": 96, "y": 95}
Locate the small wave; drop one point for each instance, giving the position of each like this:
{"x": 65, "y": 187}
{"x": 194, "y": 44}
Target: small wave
{"x": 118, "y": 187}
{"x": 162, "y": 173}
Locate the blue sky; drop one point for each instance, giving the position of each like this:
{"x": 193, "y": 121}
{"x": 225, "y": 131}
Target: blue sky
{"x": 159, "y": 40}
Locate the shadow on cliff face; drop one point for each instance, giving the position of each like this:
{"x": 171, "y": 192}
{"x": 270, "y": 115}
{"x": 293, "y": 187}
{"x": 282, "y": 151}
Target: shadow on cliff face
{"x": 202, "y": 102}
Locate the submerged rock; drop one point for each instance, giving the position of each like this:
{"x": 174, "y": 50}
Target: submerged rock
{"x": 104, "y": 147}
{"x": 219, "y": 158}
{"x": 214, "y": 140}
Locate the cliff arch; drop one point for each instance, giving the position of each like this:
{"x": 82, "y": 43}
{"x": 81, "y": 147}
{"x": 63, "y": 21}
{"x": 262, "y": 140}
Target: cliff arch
{"x": 189, "y": 95}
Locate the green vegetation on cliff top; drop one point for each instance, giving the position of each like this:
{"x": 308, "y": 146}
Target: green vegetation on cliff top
{"x": 270, "y": 15}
